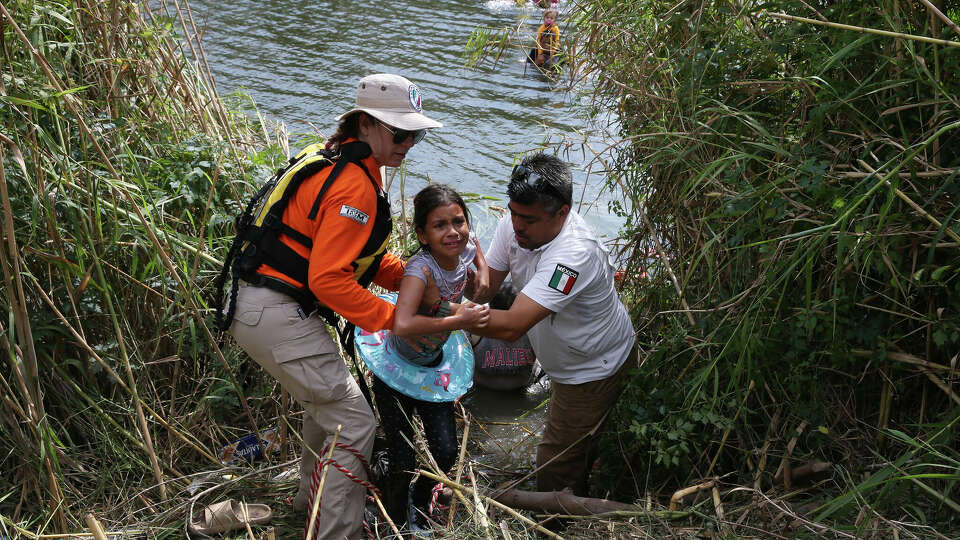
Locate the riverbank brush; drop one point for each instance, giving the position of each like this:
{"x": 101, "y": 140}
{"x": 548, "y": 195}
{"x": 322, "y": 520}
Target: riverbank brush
{"x": 790, "y": 195}
{"x": 799, "y": 176}
{"x": 790, "y": 181}
{"x": 115, "y": 150}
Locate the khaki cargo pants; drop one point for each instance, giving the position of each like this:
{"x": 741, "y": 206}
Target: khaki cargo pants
{"x": 301, "y": 355}
{"x": 574, "y": 410}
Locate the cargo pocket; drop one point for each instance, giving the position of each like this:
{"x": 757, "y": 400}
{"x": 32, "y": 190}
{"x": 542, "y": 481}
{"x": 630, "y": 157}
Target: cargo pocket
{"x": 248, "y": 314}
{"x": 312, "y": 368}
{"x": 244, "y": 329}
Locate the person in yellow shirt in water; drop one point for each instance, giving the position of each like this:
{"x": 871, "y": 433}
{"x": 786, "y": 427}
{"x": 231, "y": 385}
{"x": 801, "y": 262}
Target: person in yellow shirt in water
{"x": 547, "y": 39}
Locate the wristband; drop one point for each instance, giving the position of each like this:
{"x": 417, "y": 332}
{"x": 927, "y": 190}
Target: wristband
{"x": 443, "y": 310}
{"x": 435, "y": 307}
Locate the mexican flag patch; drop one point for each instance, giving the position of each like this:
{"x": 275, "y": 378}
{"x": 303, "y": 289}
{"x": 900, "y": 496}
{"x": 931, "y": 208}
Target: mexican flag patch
{"x": 563, "y": 279}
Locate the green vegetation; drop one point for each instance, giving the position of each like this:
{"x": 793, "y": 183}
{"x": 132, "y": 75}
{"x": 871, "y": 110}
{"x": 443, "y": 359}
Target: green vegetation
{"x": 120, "y": 169}
{"x": 790, "y": 191}
{"x": 795, "y": 191}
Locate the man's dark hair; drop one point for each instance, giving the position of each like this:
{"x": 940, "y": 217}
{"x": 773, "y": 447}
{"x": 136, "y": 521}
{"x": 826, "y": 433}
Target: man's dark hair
{"x": 541, "y": 177}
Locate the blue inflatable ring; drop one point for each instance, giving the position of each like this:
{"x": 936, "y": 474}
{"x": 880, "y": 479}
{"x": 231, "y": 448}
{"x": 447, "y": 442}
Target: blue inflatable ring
{"x": 445, "y": 382}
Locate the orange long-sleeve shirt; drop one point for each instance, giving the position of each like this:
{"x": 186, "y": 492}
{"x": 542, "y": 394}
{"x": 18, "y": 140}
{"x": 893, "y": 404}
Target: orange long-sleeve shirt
{"x": 340, "y": 231}
{"x": 548, "y": 39}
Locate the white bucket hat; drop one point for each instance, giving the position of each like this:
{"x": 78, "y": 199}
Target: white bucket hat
{"x": 392, "y": 99}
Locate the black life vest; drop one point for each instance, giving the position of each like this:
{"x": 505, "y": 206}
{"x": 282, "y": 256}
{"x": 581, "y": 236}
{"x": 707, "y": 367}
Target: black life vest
{"x": 257, "y": 240}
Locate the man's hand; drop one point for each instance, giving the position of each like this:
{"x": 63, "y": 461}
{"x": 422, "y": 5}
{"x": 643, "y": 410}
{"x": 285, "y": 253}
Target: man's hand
{"x": 431, "y": 294}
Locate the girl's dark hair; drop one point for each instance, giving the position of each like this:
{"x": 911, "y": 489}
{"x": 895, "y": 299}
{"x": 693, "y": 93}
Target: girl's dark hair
{"x": 349, "y": 128}
{"x": 431, "y": 197}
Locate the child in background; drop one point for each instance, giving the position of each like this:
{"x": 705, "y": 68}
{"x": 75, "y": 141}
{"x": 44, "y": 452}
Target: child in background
{"x": 441, "y": 221}
{"x": 547, "y": 39}
{"x": 502, "y": 365}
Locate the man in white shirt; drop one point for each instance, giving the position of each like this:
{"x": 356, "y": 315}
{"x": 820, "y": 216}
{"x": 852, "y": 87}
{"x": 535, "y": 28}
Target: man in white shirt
{"x": 579, "y": 329}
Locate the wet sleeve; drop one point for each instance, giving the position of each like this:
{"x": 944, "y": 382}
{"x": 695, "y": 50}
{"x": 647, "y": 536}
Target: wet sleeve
{"x": 346, "y": 217}
{"x": 390, "y": 272}
{"x": 416, "y": 264}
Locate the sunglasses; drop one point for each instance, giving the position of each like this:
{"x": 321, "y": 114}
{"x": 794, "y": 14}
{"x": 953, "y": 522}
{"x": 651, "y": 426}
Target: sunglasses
{"x": 537, "y": 180}
{"x": 400, "y": 135}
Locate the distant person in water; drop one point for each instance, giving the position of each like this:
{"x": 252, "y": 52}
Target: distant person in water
{"x": 498, "y": 364}
{"x": 547, "y": 39}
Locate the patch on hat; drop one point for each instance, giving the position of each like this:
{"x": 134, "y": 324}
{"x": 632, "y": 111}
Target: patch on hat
{"x": 415, "y": 98}
{"x": 354, "y": 214}
{"x": 563, "y": 279}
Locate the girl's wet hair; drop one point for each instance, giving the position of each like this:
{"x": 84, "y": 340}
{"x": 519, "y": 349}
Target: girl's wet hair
{"x": 434, "y": 196}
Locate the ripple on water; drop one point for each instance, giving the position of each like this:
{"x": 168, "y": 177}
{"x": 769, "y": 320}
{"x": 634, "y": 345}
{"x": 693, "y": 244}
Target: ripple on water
{"x": 300, "y": 60}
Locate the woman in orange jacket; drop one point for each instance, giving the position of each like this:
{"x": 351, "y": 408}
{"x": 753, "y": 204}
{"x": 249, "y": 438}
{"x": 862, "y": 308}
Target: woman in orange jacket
{"x": 332, "y": 245}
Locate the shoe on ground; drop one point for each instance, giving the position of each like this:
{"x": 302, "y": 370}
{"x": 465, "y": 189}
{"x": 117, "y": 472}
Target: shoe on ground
{"x": 418, "y": 524}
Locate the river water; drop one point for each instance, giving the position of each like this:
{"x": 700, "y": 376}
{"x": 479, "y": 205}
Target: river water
{"x": 300, "y": 61}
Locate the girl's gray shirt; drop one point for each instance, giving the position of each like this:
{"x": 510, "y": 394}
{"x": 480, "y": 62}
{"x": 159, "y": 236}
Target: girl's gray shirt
{"x": 450, "y": 283}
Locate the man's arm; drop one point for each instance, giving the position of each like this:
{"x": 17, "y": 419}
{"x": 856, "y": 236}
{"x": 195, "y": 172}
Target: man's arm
{"x": 512, "y": 324}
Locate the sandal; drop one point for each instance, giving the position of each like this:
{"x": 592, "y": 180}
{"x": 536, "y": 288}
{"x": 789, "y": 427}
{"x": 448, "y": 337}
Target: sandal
{"x": 229, "y": 515}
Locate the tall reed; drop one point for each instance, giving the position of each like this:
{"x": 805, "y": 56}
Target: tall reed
{"x": 121, "y": 167}
{"x": 795, "y": 185}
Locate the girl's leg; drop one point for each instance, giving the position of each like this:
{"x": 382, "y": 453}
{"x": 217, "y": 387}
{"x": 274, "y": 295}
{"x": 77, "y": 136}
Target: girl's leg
{"x": 440, "y": 429}
{"x": 396, "y": 413}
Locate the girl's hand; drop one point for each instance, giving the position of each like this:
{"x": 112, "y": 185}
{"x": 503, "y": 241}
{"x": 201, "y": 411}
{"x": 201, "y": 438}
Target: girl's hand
{"x": 481, "y": 282}
{"x": 478, "y": 283}
{"x": 474, "y": 315}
